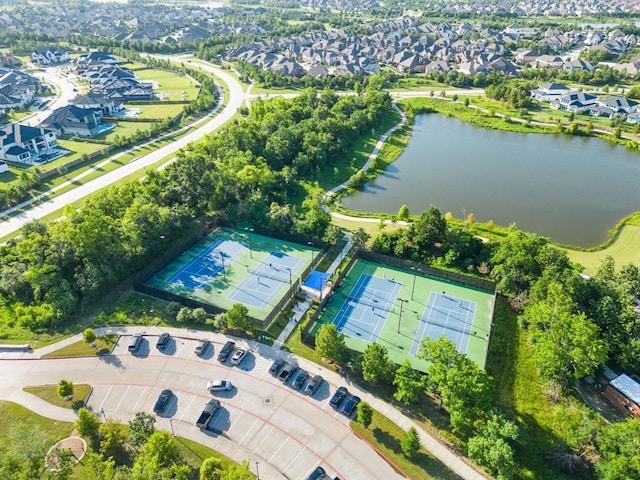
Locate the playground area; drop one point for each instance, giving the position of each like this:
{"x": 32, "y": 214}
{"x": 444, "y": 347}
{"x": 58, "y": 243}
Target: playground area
{"x": 234, "y": 266}
{"x": 398, "y": 308}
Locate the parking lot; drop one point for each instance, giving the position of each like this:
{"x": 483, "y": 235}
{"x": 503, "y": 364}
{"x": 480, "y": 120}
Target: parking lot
{"x": 270, "y": 421}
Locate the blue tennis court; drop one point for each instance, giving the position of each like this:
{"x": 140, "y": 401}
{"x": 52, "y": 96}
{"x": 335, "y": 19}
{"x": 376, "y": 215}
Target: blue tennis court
{"x": 206, "y": 264}
{"x": 266, "y": 281}
{"x": 367, "y": 307}
{"x": 446, "y": 316}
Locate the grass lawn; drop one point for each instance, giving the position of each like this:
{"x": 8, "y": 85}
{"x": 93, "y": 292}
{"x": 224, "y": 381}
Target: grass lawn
{"x": 124, "y": 129}
{"x": 157, "y": 111}
{"x": 386, "y": 436}
{"x": 624, "y": 249}
{"x": 103, "y": 345}
{"x": 258, "y": 90}
{"x": 419, "y": 84}
{"x": 49, "y": 393}
{"x": 13, "y": 415}
{"x": 171, "y": 85}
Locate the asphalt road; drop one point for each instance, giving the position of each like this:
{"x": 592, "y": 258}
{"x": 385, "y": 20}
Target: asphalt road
{"x": 236, "y": 98}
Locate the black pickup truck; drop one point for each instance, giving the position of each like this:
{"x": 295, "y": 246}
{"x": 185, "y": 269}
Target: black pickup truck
{"x": 207, "y": 414}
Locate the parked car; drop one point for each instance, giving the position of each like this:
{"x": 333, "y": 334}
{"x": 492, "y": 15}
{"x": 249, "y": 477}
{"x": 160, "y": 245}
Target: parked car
{"x": 219, "y": 385}
{"x": 238, "y": 356}
{"x": 225, "y": 351}
{"x": 338, "y": 397}
{"x": 163, "y": 340}
{"x": 162, "y": 401}
{"x": 317, "y": 474}
{"x": 276, "y": 366}
{"x": 202, "y": 346}
{"x": 313, "y": 385}
{"x": 287, "y": 371}
{"x": 207, "y": 414}
{"x": 134, "y": 342}
{"x": 350, "y": 406}
{"x": 299, "y": 380}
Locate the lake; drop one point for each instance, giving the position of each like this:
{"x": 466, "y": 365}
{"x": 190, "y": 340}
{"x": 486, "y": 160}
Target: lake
{"x": 571, "y": 189}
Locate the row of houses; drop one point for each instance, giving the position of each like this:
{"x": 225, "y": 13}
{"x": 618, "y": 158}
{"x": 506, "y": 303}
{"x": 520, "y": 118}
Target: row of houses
{"x": 17, "y": 89}
{"x": 559, "y": 96}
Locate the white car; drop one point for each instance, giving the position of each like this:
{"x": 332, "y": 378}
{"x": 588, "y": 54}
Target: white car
{"x": 219, "y": 386}
{"x": 238, "y": 355}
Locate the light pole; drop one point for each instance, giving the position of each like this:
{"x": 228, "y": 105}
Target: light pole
{"x": 464, "y": 214}
{"x": 400, "y": 316}
{"x": 173, "y": 433}
{"x": 289, "y": 275}
{"x": 103, "y": 414}
{"x": 413, "y": 288}
{"x": 311, "y": 245}
{"x": 246, "y": 235}
{"x": 224, "y": 271}
{"x": 257, "y": 471}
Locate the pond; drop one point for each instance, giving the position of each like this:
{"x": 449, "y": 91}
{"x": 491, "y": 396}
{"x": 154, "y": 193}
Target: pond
{"x": 571, "y": 189}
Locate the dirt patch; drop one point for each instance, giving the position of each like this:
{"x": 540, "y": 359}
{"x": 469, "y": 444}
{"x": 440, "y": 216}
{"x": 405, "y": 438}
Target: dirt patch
{"x": 75, "y": 447}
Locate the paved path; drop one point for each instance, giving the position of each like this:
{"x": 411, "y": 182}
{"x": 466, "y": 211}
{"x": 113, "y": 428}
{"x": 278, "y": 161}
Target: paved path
{"x": 13, "y": 392}
{"x": 236, "y": 98}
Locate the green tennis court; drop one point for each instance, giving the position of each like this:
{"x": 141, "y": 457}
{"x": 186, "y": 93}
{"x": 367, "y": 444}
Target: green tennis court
{"x": 232, "y": 266}
{"x": 398, "y": 308}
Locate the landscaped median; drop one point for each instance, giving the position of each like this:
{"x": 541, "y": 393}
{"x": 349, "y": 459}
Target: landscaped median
{"x": 49, "y": 393}
{"x": 101, "y": 346}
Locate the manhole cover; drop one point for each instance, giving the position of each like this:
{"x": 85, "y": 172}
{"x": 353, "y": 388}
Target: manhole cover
{"x": 267, "y": 400}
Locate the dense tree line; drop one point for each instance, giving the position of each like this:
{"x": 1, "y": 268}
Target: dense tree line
{"x": 256, "y": 170}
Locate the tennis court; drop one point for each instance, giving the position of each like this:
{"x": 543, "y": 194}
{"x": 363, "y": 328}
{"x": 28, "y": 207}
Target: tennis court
{"x": 234, "y": 266}
{"x": 398, "y": 308}
{"x": 367, "y": 307}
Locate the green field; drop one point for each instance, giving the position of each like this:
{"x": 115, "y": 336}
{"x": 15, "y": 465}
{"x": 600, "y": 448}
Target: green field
{"x": 198, "y": 272}
{"x": 124, "y": 129}
{"x": 157, "y": 111}
{"x": 624, "y": 249}
{"x": 171, "y": 85}
{"x": 403, "y": 321}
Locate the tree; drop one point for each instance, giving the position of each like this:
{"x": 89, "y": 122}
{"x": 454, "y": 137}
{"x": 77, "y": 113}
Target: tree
{"x": 159, "y": 453}
{"x": 89, "y": 336}
{"x": 87, "y": 423}
{"x": 333, "y": 234}
{"x": 365, "y": 414}
{"x": 65, "y": 389}
{"x": 409, "y": 383}
{"x": 360, "y": 237}
{"x": 618, "y": 447}
{"x": 375, "y": 363}
{"x": 491, "y": 447}
{"x": 210, "y": 468}
{"x": 238, "y": 317}
{"x": 403, "y": 213}
{"x": 330, "y": 343}
{"x": 113, "y": 437}
{"x": 410, "y": 443}
{"x": 141, "y": 428}
{"x": 428, "y": 229}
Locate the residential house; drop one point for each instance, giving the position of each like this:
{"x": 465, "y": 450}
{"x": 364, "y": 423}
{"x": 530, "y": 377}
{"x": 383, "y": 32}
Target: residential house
{"x": 548, "y": 61}
{"x": 94, "y": 101}
{"x": 577, "y": 64}
{"x": 49, "y": 55}
{"x": 74, "y": 121}
{"x": 549, "y": 92}
{"x": 17, "y": 89}
{"x": 624, "y": 392}
{"x": 25, "y": 144}
{"x": 4, "y": 167}
{"x": 576, "y": 102}
{"x": 613, "y": 106}
{"x": 8, "y": 60}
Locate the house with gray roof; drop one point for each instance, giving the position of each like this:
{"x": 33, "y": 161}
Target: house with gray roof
{"x": 25, "y": 144}
{"x": 49, "y": 55}
{"x": 73, "y": 121}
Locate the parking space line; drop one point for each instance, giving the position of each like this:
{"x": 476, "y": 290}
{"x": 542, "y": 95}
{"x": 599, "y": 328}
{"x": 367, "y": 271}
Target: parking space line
{"x": 286, "y": 439}
{"x": 106, "y": 396}
{"x": 124, "y": 395}
{"x": 294, "y": 459}
{"x": 144, "y": 391}
{"x": 236, "y": 421}
{"x": 248, "y": 429}
{"x": 186, "y": 410}
{"x": 264, "y": 439}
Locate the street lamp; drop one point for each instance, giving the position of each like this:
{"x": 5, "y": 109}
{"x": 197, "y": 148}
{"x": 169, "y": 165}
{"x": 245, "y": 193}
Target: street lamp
{"x": 173, "y": 433}
{"x": 257, "y": 471}
{"x": 103, "y": 414}
{"x": 311, "y": 245}
{"x": 289, "y": 275}
{"x": 246, "y": 235}
{"x": 224, "y": 271}
{"x": 402, "y": 301}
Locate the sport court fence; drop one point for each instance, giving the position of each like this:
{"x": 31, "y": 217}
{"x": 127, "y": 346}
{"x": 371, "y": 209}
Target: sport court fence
{"x": 140, "y": 281}
{"x": 473, "y": 282}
